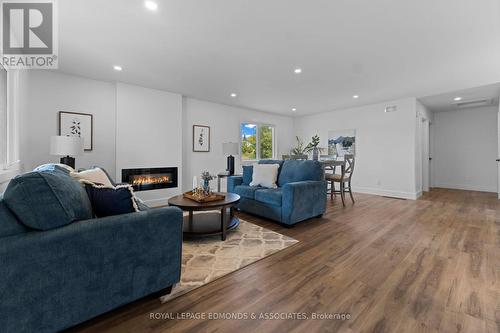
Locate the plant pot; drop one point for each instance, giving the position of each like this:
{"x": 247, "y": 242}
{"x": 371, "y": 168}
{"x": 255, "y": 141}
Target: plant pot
{"x": 315, "y": 154}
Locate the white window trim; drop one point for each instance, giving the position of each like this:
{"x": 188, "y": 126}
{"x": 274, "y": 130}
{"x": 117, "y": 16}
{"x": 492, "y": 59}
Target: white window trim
{"x": 10, "y": 165}
{"x": 257, "y": 141}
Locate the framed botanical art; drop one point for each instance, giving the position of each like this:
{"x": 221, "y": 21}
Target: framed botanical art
{"x": 77, "y": 124}
{"x": 201, "y": 138}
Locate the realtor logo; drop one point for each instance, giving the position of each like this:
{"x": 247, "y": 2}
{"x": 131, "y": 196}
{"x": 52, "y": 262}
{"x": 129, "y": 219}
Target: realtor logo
{"x": 29, "y": 34}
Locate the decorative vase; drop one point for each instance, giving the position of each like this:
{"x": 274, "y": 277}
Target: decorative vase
{"x": 315, "y": 154}
{"x": 206, "y": 186}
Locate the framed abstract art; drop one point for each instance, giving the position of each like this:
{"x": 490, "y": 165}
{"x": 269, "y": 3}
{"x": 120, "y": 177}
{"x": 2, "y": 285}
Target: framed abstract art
{"x": 341, "y": 142}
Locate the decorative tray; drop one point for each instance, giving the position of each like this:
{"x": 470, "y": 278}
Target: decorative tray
{"x": 205, "y": 198}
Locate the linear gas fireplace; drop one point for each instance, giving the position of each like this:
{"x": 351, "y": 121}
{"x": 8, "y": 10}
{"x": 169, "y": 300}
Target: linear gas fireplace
{"x": 145, "y": 179}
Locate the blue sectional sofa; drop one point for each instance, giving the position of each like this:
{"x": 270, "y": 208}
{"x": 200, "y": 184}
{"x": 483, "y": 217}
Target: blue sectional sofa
{"x": 301, "y": 192}
{"x": 60, "y": 267}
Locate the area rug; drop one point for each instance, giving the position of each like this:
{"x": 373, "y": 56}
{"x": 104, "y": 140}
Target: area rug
{"x": 208, "y": 259}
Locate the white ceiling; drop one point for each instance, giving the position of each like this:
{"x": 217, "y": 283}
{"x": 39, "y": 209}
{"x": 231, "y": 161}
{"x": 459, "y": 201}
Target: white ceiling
{"x": 379, "y": 50}
{"x": 446, "y": 102}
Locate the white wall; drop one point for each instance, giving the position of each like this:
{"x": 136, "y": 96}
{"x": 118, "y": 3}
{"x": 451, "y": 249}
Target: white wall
{"x": 385, "y": 144}
{"x": 45, "y": 94}
{"x": 149, "y": 134}
{"x": 224, "y": 122}
{"x": 465, "y": 149}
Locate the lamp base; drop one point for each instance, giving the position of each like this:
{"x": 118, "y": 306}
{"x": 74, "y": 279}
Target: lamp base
{"x": 230, "y": 165}
{"x": 69, "y": 161}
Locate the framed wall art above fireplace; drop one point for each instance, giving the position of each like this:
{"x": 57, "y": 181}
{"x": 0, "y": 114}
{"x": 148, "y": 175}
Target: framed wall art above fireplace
{"x": 201, "y": 138}
{"x": 77, "y": 124}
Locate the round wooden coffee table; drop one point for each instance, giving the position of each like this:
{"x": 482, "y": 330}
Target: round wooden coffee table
{"x": 208, "y": 223}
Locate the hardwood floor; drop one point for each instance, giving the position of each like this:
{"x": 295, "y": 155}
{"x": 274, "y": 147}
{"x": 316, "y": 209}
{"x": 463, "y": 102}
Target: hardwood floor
{"x": 394, "y": 265}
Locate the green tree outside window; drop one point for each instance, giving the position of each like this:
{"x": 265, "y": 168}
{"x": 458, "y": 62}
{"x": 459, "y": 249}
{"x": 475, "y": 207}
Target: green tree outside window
{"x": 257, "y": 141}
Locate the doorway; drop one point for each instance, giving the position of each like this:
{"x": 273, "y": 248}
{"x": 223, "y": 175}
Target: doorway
{"x": 426, "y": 160}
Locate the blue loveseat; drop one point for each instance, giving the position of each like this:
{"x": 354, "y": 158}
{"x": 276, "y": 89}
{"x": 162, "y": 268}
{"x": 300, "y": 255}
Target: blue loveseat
{"x": 60, "y": 267}
{"x": 301, "y": 192}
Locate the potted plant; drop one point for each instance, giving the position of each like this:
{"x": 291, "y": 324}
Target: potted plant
{"x": 312, "y": 146}
{"x": 299, "y": 149}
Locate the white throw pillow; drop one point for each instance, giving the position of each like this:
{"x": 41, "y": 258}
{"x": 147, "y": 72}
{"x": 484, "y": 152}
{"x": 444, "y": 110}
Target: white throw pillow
{"x": 95, "y": 175}
{"x": 265, "y": 175}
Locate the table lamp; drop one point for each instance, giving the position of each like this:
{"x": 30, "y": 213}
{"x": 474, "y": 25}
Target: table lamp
{"x": 230, "y": 148}
{"x": 66, "y": 146}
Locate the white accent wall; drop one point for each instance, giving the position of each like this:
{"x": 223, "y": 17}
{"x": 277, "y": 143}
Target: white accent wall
{"x": 464, "y": 145}
{"x": 224, "y": 122}
{"x": 149, "y": 134}
{"x": 385, "y": 144}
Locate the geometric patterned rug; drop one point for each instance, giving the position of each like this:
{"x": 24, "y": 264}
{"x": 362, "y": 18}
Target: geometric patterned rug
{"x": 207, "y": 259}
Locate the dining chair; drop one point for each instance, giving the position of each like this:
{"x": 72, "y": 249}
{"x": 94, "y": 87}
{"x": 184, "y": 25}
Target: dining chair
{"x": 328, "y": 157}
{"x": 343, "y": 178}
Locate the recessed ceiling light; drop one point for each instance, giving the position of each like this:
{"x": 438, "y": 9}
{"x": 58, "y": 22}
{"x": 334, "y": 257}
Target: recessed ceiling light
{"x": 456, "y": 99}
{"x": 151, "y": 5}
{"x": 355, "y": 96}
{"x": 233, "y": 95}
{"x": 297, "y": 70}
{"x": 294, "y": 109}
{"x": 117, "y": 68}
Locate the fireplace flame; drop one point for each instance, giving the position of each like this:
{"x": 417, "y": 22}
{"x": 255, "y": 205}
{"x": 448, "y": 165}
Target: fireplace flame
{"x": 149, "y": 180}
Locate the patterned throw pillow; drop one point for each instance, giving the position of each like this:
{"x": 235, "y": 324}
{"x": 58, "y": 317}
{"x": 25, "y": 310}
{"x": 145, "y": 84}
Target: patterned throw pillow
{"x": 111, "y": 200}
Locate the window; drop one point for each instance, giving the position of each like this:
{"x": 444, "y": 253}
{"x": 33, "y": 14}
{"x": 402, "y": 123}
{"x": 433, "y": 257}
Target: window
{"x": 257, "y": 141}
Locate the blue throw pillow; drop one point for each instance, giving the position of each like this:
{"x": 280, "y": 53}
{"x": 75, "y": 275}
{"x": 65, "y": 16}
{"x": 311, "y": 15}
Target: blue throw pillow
{"x": 47, "y": 199}
{"x": 108, "y": 201}
{"x": 247, "y": 174}
{"x": 299, "y": 171}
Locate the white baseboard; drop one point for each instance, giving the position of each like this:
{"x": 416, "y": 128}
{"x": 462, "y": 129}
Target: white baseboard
{"x": 387, "y": 193}
{"x": 466, "y": 187}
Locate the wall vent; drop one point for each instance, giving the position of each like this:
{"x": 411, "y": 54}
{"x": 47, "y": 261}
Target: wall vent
{"x": 391, "y": 108}
{"x": 474, "y": 103}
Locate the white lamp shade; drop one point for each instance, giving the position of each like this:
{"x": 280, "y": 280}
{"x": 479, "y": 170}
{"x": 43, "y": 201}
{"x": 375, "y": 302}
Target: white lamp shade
{"x": 230, "y": 148}
{"x": 66, "y": 145}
